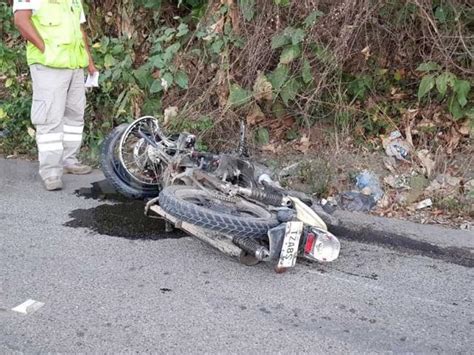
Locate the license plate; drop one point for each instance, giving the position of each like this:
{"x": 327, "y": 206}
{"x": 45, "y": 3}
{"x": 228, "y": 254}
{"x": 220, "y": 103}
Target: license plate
{"x": 289, "y": 250}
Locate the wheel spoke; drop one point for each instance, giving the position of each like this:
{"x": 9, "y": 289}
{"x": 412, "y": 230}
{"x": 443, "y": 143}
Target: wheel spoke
{"x": 133, "y": 151}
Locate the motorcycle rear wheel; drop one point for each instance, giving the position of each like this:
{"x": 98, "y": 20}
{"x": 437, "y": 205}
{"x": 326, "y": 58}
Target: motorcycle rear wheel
{"x": 236, "y": 217}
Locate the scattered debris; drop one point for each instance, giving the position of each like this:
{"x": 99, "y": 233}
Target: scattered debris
{"x": 28, "y": 307}
{"x": 424, "y": 190}
{"x": 397, "y": 181}
{"x": 418, "y": 184}
{"x": 424, "y": 204}
{"x": 396, "y": 146}
{"x": 366, "y": 198}
{"x": 369, "y": 184}
{"x": 328, "y": 206}
{"x": 356, "y": 201}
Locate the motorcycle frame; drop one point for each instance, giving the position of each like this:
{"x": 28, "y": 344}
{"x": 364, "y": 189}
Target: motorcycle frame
{"x": 182, "y": 166}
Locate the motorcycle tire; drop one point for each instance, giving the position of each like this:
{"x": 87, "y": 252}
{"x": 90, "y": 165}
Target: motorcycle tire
{"x": 180, "y": 202}
{"x": 116, "y": 174}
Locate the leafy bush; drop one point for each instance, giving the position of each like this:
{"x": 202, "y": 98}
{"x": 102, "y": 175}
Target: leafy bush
{"x": 352, "y": 66}
{"x": 15, "y": 89}
{"x": 449, "y": 87}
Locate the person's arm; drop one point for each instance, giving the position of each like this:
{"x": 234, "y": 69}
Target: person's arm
{"x": 23, "y": 22}
{"x": 91, "y": 68}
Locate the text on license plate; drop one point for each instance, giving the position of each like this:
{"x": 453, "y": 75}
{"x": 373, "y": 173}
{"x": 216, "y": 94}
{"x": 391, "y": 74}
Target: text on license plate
{"x": 289, "y": 250}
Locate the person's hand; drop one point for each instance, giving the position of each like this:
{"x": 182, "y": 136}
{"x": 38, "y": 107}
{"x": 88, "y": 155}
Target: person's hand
{"x": 91, "y": 68}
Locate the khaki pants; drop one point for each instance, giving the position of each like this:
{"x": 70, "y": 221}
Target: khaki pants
{"x": 57, "y": 113}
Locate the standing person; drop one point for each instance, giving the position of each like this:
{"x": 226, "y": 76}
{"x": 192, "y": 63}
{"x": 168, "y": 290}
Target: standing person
{"x": 57, "y": 53}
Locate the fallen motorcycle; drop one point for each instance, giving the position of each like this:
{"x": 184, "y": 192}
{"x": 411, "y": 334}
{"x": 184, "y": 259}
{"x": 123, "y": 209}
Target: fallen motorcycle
{"x": 215, "y": 197}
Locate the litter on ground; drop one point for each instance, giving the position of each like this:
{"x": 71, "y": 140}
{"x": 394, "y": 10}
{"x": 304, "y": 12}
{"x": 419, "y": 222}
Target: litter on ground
{"x": 28, "y": 307}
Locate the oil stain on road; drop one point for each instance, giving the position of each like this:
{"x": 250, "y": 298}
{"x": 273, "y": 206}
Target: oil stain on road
{"x": 124, "y": 218}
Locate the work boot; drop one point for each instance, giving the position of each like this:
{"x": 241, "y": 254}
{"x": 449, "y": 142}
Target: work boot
{"x": 77, "y": 169}
{"x": 53, "y": 183}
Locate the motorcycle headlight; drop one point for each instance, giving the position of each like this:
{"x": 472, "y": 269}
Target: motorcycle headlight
{"x": 321, "y": 245}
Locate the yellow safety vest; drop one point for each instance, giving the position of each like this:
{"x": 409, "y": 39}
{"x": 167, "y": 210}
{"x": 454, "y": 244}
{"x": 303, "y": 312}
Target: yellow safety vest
{"x": 58, "y": 23}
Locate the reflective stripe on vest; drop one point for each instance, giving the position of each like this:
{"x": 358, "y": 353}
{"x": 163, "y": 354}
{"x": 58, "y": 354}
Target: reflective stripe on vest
{"x": 58, "y": 23}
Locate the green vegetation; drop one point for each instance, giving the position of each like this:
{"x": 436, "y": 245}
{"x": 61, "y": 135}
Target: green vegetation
{"x": 355, "y": 68}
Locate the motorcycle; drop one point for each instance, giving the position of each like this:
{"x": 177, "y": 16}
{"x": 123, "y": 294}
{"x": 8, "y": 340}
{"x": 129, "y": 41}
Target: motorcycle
{"x": 215, "y": 197}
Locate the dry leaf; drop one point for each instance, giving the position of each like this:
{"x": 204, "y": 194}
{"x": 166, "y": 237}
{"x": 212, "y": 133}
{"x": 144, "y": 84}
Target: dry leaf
{"x": 255, "y": 116}
{"x": 465, "y": 128}
{"x": 31, "y": 132}
{"x": 409, "y": 117}
{"x": 234, "y": 15}
{"x": 262, "y": 89}
{"x": 222, "y": 89}
{"x": 391, "y": 164}
{"x": 214, "y": 29}
{"x": 269, "y": 148}
{"x": 384, "y": 202}
{"x": 453, "y": 138}
{"x": 366, "y": 52}
{"x": 303, "y": 145}
{"x": 427, "y": 162}
{"x": 425, "y": 123}
{"x": 170, "y": 113}
{"x": 399, "y": 96}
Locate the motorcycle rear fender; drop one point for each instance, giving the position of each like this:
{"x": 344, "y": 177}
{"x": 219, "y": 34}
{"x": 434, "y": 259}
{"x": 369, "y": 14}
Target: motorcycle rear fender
{"x": 306, "y": 214}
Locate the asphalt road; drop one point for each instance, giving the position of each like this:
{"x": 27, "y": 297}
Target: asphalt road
{"x": 113, "y": 281}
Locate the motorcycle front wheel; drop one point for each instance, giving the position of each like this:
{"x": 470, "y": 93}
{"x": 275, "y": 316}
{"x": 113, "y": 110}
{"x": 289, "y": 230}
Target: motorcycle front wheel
{"x": 230, "y": 216}
{"x": 115, "y": 172}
